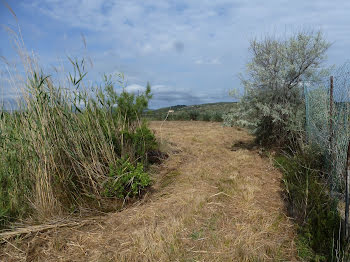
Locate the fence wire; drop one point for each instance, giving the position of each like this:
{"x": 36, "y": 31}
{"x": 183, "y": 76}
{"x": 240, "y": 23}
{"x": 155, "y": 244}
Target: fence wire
{"x": 327, "y": 105}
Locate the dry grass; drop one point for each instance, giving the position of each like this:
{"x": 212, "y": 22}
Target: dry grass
{"x": 208, "y": 204}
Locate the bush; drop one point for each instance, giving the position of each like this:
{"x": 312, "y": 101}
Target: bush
{"x": 193, "y": 115}
{"x": 311, "y": 206}
{"x": 182, "y": 116}
{"x": 58, "y": 150}
{"x": 126, "y": 180}
{"x": 144, "y": 141}
{"x": 273, "y": 105}
{"x": 216, "y": 117}
{"x": 205, "y": 116}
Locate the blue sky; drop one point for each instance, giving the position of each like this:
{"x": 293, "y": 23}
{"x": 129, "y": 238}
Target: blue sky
{"x": 190, "y": 51}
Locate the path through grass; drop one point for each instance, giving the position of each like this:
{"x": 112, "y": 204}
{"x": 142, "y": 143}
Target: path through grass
{"x": 208, "y": 203}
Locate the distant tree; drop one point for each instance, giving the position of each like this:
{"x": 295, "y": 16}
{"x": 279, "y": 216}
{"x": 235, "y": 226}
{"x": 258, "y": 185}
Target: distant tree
{"x": 272, "y": 103}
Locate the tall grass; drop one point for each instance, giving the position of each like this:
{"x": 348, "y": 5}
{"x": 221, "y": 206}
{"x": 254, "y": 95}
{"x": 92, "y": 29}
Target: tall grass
{"x": 66, "y": 146}
{"x": 311, "y": 206}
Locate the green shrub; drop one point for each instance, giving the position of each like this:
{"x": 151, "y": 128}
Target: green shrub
{"x": 310, "y": 205}
{"x": 205, "y": 116}
{"x": 273, "y": 103}
{"x": 193, "y": 115}
{"x": 216, "y": 117}
{"x": 126, "y": 180}
{"x": 143, "y": 141}
{"x": 182, "y": 115}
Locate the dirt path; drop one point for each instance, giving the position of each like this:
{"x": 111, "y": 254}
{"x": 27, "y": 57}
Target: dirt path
{"x": 208, "y": 204}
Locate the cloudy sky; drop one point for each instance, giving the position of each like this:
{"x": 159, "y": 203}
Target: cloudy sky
{"x": 190, "y": 51}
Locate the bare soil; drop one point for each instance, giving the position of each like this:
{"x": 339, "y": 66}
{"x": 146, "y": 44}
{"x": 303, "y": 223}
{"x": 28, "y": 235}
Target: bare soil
{"x": 209, "y": 202}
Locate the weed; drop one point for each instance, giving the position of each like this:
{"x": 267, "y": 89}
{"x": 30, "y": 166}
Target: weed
{"x": 126, "y": 180}
{"x": 310, "y": 204}
{"x": 195, "y": 235}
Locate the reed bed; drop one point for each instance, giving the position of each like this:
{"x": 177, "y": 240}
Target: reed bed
{"x": 69, "y": 144}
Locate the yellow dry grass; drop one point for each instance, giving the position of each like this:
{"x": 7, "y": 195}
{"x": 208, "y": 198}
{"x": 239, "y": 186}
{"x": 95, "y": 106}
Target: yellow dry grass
{"x": 208, "y": 203}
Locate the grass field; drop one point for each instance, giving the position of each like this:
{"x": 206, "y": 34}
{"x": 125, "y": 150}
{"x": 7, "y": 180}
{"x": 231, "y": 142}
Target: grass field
{"x": 209, "y": 202}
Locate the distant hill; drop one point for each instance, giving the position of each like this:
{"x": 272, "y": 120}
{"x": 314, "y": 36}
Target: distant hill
{"x": 204, "y": 112}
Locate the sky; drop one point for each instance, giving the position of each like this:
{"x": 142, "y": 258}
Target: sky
{"x": 191, "y": 52}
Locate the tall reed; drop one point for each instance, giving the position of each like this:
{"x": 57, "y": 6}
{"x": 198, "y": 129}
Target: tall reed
{"x": 60, "y": 149}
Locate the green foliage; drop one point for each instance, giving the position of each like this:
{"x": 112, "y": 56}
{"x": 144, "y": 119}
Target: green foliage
{"x": 193, "y": 114}
{"x": 311, "y": 206}
{"x": 216, "y": 117}
{"x": 205, "y": 112}
{"x": 273, "y": 105}
{"x": 205, "y": 116}
{"x": 273, "y": 108}
{"x": 14, "y": 186}
{"x": 12, "y": 202}
{"x": 61, "y": 145}
{"x": 131, "y": 105}
{"x": 143, "y": 141}
{"x": 126, "y": 180}
{"x": 305, "y": 252}
{"x": 185, "y": 116}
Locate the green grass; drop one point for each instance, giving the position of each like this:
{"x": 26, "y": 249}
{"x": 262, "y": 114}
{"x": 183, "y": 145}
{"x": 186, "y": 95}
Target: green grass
{"x": 310, "y": 204}
{"x": 203, "y": 112}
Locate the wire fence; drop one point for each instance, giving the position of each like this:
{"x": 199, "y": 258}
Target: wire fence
{"x": 327, "y": 105}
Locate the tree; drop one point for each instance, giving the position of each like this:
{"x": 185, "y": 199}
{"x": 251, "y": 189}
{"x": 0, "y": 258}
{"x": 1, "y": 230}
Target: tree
{"x": 272, "y": 103}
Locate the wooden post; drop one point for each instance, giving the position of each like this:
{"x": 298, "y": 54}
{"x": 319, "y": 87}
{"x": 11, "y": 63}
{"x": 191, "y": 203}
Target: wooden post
{"x": 331, "y": 133}
{"x": 331, "y": 112}
{"x": 347, "y": 189}
{"x": 307, "y": 116}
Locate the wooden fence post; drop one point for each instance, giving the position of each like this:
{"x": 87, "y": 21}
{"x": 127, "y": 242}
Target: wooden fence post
{"x": 331, "y": 113}
{"x": 347, "y": 187}
{"x": 331, "y": 134}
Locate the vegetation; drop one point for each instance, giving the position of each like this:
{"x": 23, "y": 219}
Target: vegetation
{"x": 312, "y": 207}
{"x": 273, "y": 105}
{"x": 205, "y": 112}
{"x": 62, "y": 149}
{"x": 207, "y": 198}
{"x": 126, "y": 180}
{"x": 70, "y": 146}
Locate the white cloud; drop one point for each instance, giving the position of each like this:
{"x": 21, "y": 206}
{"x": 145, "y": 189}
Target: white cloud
{"x": 198, "y": 61}
{"x": 178, "y": 43}
{"x": 213, "y": 61}
{"x": 146, "y": 49}
{"x": 164, "y": 95}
